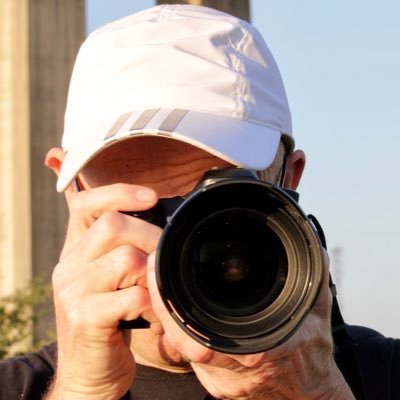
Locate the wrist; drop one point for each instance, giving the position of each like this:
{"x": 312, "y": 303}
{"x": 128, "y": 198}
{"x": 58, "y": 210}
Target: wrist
{"x": 334, "y": 386}
{"x": 60, "y": 392}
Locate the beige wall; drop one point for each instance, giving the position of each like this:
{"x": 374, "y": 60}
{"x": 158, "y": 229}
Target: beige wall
{"x": 239, "y": 8}
{"x": 15, "y": 218}
{"x": 39, "y": 40}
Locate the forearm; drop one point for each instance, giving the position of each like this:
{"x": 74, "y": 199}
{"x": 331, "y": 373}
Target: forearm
{"x": 330, "y": 387}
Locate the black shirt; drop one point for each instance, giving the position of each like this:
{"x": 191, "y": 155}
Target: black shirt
{"x": 28, "y": 377}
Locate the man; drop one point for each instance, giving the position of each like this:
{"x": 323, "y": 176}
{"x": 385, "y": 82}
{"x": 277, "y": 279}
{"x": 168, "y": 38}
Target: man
{"x": 156, "y": 100}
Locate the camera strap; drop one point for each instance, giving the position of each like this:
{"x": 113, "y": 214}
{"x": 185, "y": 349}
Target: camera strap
{"x": 341, "y": 336}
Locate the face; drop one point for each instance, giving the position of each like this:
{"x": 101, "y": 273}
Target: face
{"x": 170, "y": 167}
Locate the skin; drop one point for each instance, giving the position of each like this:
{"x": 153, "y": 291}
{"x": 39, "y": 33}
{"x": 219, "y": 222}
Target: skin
{"x": 106, "y": 273}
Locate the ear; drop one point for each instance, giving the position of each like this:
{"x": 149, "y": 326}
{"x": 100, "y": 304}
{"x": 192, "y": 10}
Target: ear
{"x": 295, "y": 163}
{"x": 53, "y": 160}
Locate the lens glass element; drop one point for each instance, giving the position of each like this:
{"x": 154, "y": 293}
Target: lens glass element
{"x": 233, "y": 263}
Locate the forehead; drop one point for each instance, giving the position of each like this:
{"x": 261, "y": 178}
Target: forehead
{"x": 148, "y": 159}
{"x": 147, "y": 150}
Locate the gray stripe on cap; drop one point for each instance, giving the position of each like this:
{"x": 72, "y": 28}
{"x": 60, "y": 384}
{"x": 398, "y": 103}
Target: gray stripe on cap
{"x": 171, "y": 122}
{"x": 144, "y": 119}
{"x": 117, "y": 126}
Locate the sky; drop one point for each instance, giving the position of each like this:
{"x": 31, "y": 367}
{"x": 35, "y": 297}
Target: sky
{"x": 340, "y": 62}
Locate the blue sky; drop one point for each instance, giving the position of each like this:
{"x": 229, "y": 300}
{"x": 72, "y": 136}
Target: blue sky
{"x": 340, "y": 62}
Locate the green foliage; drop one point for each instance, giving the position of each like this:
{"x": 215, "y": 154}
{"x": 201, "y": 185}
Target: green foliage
{"x": 18, "y": 313}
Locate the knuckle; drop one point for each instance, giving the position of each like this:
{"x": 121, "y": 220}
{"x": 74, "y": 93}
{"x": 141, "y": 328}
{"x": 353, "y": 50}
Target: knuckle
{"x": 200, "y": 354}
{"x": 128, "y": 255}
{"x": 136, "y": 298}
{"x": 129, "y": 262}
{"x": 110, "y": 223}
{"x": 134, "y": 302}
{"x": 141, "y": 300}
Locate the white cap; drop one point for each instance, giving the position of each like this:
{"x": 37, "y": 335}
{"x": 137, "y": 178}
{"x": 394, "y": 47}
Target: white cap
{"x": 190, "y": 73}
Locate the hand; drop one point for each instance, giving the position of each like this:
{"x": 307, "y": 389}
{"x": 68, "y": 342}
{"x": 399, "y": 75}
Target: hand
{"x": 301, "y": 368}
{"x": 100, "y": 280}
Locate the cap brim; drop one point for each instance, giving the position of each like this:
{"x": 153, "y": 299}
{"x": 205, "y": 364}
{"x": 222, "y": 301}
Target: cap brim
{"x": 239, "y": 142}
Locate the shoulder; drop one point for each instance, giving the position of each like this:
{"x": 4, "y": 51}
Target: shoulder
{"x": 364, "y": 334}
{"x": 367, "y": 340}
{"x": 28, "y": 376}
{"x": 379, "y": 361}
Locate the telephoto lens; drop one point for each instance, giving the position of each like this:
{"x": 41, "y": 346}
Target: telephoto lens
{"x": 239, "y": 264}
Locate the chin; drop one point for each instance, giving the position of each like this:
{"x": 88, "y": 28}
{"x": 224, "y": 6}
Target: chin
{"x": 170, "y": 354}
{"x": 157, "y": 351}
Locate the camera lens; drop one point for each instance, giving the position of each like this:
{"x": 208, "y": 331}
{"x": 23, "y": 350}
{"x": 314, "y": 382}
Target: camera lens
{"x": 239, "y": 263}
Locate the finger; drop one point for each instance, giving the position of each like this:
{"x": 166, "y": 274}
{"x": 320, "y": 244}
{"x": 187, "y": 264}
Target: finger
{"x": 114, "y": 229}
{"x": 87, "y": 206}
{"x": 111, "y": 231}
{"x": 121, "y": 268}
{"x": 112, "y": 307}
{"x": 117, "y": 197}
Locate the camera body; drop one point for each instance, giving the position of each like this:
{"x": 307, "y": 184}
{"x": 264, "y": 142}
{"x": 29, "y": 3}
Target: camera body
{"x": 239, "y": 264}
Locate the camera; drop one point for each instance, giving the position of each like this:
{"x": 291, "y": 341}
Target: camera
{"x": 239, "y": 264}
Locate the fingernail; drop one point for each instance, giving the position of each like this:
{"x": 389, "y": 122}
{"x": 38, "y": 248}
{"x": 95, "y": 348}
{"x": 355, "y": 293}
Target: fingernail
{"x": 145, "y": 195}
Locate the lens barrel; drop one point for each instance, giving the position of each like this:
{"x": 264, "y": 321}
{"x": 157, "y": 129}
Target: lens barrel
{"x": 239, "y": 264}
